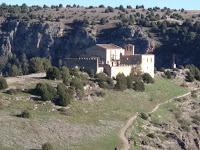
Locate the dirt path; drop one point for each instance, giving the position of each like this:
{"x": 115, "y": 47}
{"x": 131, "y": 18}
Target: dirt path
{"x": 24, "y": 77}
{"x": 122, "y": 133}
{"x": 158, "y": 105}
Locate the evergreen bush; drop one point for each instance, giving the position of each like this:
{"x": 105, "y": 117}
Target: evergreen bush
{"x": 147, "y": 78}
{"x": 64, "y": 95}
{"x": 3, "y": 83}
{"x": 46, "y": 91}
{"x": 53, "y": 73}
{"x": 139, "y": 86}
{"x": 121, "y": 82}
{"x": 189, "y": 77}
{"x": 47, "y": 146}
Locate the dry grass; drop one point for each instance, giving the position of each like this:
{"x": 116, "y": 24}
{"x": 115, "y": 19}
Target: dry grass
{"x": 85, "y": 124}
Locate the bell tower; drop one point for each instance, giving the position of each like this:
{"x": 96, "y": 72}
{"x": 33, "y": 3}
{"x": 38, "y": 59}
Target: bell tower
{"x": 129, "y": 50}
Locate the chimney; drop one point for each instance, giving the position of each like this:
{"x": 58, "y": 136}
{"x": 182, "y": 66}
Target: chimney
{"x": 129, "y": 49}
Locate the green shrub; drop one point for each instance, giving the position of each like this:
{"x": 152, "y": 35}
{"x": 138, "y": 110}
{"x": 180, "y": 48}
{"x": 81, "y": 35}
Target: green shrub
{"x": 151, "y": 99}
{"x": 3, "y": 83}
{"x": 194, "y": 94}
{"x": 121, "y": 82}
{"x": 24, "y": 114}
{"x": 104, "y": 81}
{"x": 101, "y": 77}
{"x": 74, "y": 72}
{"x": 84, "y": 77}
{"x": 110, "y": 82}
{"x": 38, "y": 64}
{"x": 67, "y": 80}
{"x": 53, "y": 73}
{"x": 144, "y": 116}
{"x": 64, "y": 95}
{"x": 77, "y": 84}
{"x": 168, "y": 74}
{"x": 196, "y": 122}
{"x": 103, "y": 21}
{"x": 189, "y": 77}
{"x": 46, "y": 91}
{"x": 109, "y": 9}
{"x": 47, "y": 146}
{"x": 65, "y": 75}
{"x": 63, "y": 111}
{"x": 151, "y": 135}
{"x": 195, "y": 72}
{"x": 15, "y": 71}
{"x": 64, "y": 72}
{"x": 147, "y": 78}
{"x": 139, "y": 86}
{"x": 100, "y": 94}
{"x": 129, "y": 82}
{"x": 91, "y": 73}
{"x": 80, "y": 94}
{"x": 13, "y": 91}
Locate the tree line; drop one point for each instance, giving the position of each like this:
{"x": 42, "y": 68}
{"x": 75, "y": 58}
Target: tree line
{"x": 21, "y": 65}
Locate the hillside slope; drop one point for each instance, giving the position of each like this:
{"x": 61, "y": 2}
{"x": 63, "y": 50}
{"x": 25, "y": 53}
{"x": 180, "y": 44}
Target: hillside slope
{"x": 82, "y": 125}
{"x": 60, "y": 32}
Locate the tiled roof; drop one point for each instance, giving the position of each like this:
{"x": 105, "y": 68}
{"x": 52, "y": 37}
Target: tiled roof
{"x": 132, "y": 59}
{"x": 109, "y": 46}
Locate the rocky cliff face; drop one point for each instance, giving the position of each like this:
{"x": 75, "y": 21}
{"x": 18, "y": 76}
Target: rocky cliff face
{"x": 122, "y": 35}
{"x": 57, "y": 40}
{"x": 20, "y": 37}
{"x": 51, "y": 32}
{"x": 40, "y": 39}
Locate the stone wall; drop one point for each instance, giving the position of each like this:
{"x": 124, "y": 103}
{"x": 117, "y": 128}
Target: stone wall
{"x": 126, "y": 70}
{"x": 87, "y": 64}
{"x": 146, "y": 63}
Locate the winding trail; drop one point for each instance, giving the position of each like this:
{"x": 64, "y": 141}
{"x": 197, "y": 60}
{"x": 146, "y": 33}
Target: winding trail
{"x": 122, "y": 133}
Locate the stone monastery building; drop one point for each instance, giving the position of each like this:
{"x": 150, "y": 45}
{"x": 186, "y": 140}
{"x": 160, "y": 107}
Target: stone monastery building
{"x": 112, "y": 59}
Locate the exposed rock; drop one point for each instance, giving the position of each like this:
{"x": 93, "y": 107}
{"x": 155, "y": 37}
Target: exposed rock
{"x": 42, "y": 39}
{"x": 57, "y": 40}
{"x": 128, "y": 34}
{"x": 182, "y": 133}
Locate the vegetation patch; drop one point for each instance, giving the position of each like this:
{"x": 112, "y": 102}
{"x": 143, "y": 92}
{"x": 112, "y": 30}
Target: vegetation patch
{"x": 47, "y": 146}
{"x": 24, "y": 114}
{"x": 3, "y": 83}
{"x": 171, "y": 121}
